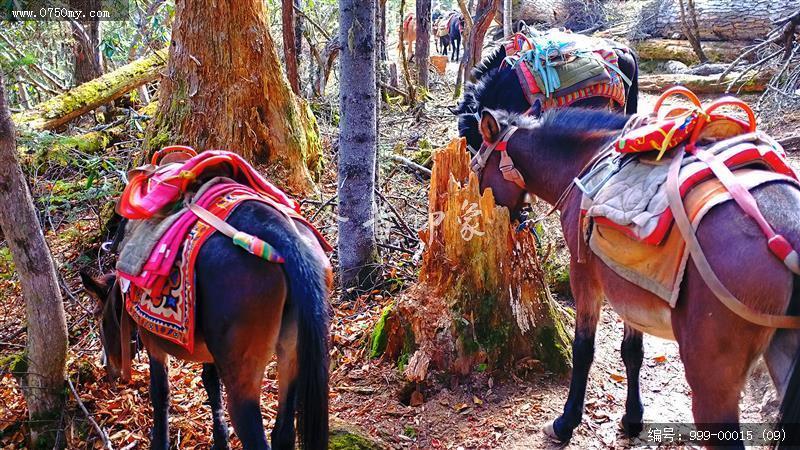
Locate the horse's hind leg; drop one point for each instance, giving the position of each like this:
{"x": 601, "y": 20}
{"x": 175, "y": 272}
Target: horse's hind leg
{"x": 283, "y": 435}
{"x": 159, "y": 397}
{"x": 588, "y": 298}
{"x": 632, "y": 355}
{"x": 212, "y": 386}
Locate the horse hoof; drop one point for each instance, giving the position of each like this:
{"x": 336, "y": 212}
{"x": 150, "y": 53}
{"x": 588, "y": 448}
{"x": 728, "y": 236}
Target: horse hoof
{"x": 631, "y": 429}
{"x": 550, "y": 430}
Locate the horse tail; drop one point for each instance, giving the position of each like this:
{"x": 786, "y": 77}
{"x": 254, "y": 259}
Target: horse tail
{"x": 790, "y": 406}
{"x": 308, "y": 295}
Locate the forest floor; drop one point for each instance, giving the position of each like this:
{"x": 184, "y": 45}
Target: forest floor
{"x": 488, "y": 410}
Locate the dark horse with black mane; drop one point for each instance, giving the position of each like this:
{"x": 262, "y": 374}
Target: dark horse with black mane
{"x": 455, "y": 26}
{"x": 246, "y": 310}
{"x": 497, "y": 86}
{"x": 717, "y": 345}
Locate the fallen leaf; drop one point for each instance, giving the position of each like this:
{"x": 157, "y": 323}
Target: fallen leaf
{"x": 617, "y": 377}
{"x": 660, "y": 359}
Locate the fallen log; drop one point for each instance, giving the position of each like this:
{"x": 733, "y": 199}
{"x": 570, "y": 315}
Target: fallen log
{"x": 680, "y": 50}
{"x": 65, "y": 107}
{"x": 700, "y": 84}
{"x": 46, "y": 147}
{"x": 720, "y": 20}
{"x": 482, "y": 302}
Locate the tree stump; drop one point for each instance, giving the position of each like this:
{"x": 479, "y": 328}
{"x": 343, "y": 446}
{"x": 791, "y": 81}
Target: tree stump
{"x": 482, "y": 301}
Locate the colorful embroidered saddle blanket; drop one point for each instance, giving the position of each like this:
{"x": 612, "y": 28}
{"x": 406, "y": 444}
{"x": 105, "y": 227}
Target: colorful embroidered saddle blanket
{"x": 626, "y": 216}
{"x": 153, "y": 189}
{"x": 157, "y": 258}
{"x": 557, "y": 68}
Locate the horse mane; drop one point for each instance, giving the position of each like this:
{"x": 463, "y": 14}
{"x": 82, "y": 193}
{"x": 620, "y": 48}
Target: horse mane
{"x": 490, "y": 62}
{"x": 560, "y": 125}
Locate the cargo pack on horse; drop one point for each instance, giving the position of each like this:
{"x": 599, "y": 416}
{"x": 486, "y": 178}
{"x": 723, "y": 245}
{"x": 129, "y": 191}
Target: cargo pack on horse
{"x": 217, "y": 266}
{"x": 441, "y": 32}
{"x": 408, "y": 35}
{"x": 534, "y": 72}
{"x": 687, "y": 222}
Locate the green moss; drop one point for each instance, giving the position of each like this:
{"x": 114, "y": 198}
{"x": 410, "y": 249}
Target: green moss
{"x": 341, "y": 439}
{"x": 553, "y": 347}
{"x": 408, "y": 348}
{"x": 16, "y": 363}
{"x": 379, "y": 337}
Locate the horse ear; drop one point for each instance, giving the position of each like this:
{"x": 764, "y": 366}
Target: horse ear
{"x": 97, "y": 288}
{"x": 490, "y": 129}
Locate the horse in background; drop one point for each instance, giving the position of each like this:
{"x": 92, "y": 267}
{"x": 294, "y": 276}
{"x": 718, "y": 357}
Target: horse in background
{"x": 408, "y": 35}
{"x": 247, "y": 309}
{"x": 455, "y": 28}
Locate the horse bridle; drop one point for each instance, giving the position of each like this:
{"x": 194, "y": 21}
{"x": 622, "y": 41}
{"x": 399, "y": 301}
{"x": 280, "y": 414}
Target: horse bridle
{"x": 507, "y": 169}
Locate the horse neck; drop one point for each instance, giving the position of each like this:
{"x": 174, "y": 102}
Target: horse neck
{"x": 549, "y": 169}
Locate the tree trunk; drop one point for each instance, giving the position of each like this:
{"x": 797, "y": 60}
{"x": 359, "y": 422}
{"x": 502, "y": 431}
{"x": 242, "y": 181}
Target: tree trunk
{"x": 720, "y": 19}
{"x": 290, "y": 45}
{"x": 299, "y": 29}
{"x": 382, "y": 53}
{"x": 42, "y": 366}
{"x": 86, "y": 47}
{"x": 423, "y": 45}
{"x": 358, "y": 97}
{"x": 576, "y": 15}
{"x": 679, "y": 50}
{"x": 63, "y": 108}
{"x": 690, "y": 28}
{"x": 508, "y": 20}
{"x": 223, "y": 89}
{"x": 482, "y": 300}
{"x": 484, "y": 13}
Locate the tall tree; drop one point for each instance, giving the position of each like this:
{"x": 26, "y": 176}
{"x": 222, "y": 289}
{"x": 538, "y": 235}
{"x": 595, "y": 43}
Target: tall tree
{"x": 290, "y": 44}
{"x": 358, "y": 255}
{"x": 224, "y": 88}
{"x": 86, "y": 46}
{"x": 508, "y": 13}
{"x": 42, "y": 364}
{"x": 423, "y": 45}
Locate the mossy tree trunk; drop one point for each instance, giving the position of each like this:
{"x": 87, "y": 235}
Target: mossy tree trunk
{"x": 482, "y": 300}
{"x": 42, "y": 367}
{"x": 224, "y": 89}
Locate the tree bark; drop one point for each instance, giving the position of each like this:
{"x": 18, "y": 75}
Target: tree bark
{"x": 721, "y": 19}
{"x": 358, "y": 97}
{"x": 42, "y": 368}
{"x": 423, "y": 45}
{"x": 290, "y": 45}
{"x": 86, "y": 46}
{"x": 61, "y": 109}
{"x": 382, "y": 53}
{"x": 482, "y": 299}
{"x": 223, "y": 89}
{"x": 690, "y": 28}
{"x": 484, "y": 13}
{"x": 508, "y": 20}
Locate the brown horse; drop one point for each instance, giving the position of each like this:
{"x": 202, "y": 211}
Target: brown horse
{"x": 246, "y": 308}
{"x": 408, "y": 35}
{"x": 717, "y": 346}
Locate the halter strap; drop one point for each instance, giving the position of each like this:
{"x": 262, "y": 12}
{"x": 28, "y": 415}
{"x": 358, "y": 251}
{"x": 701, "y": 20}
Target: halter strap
{"x": 507, "y": 168}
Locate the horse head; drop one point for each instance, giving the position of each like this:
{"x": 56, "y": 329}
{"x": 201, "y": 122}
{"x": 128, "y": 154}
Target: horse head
{"x": 108, "y": 309}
